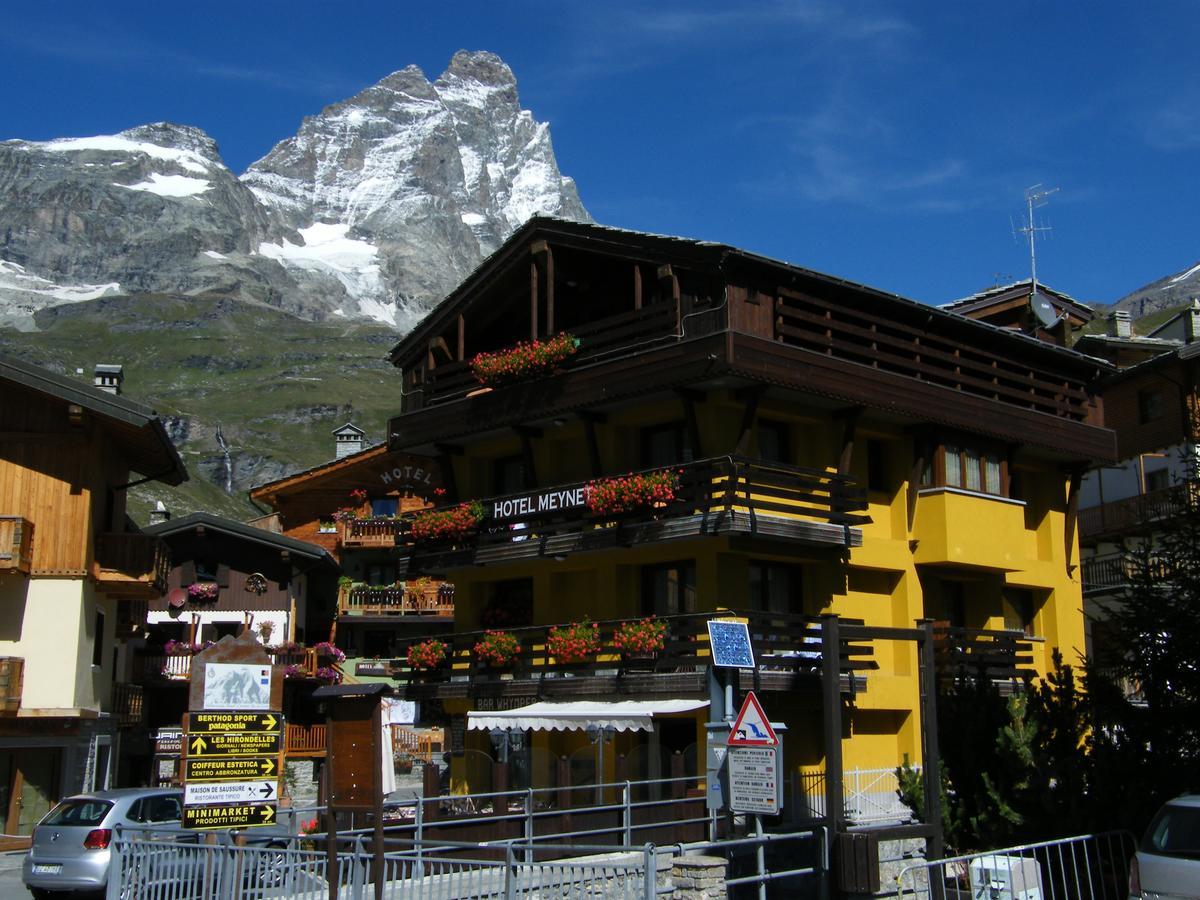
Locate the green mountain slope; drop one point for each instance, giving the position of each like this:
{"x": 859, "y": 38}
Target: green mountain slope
{"x": 269, "y": 386}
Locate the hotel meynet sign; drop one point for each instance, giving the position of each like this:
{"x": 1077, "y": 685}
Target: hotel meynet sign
{"x": 540, "y": 503}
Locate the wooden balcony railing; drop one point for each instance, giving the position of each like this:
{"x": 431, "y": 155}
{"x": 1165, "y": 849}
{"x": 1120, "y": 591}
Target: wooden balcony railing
{"x": 12, "y": 682}
{"x": 788, "y": 655}
{"x": 435, "y": 599}
{"x": 1136, "y": 513}
{"x": 722, "y": 495}
{"x": 128, "y": 705}
{"x": 304, "y": 740}
{"x": 603, "y": 338}
{"x": 374, "y": 531}
{"x": 172, "y": 666}
{"x": 16, "y": 544}
{"x": 131, "y": 565}
{"x": 422, "y": 745}
{"x": 177, "y": 665}
{"x": 1115, "y": 571}
{"x": 967, "y": 653}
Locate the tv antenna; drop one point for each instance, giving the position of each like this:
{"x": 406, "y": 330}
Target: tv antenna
{"x": 1035, "y": 198}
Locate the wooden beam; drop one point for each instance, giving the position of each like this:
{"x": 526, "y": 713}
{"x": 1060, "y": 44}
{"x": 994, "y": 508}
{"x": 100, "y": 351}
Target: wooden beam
{"x": 445, "y": 461}
{"x": 593, "y": 444}
{"x": 849, "y": 424}
{"x": 462, "y": 337}
{"x": 533, "y": 300}
{"x": 690, "y": 398}
{"x": 749, "y": 412}
{"x": 668, "y": 284}
{"x": 1072, "y": 516}
{"x": 637, "y": 286}
{"x": 914, "y": 483}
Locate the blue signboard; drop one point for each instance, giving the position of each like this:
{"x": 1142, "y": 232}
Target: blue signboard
{"x": 730, "y": 642}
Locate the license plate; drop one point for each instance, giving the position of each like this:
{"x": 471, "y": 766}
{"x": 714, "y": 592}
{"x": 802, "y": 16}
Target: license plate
{"x": 47, "y": 870}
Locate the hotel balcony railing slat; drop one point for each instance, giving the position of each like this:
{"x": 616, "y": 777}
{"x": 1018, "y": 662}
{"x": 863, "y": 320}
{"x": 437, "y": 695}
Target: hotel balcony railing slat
{"x": 397, "y": 600}
{"x": 783, "y": 642}
{"x": 972, "y": 652}
{"x": 452, "y": 380}
{"x": 132, "y": 563}
{"x": 16, "y": 544}
{"x": 369, "y": 531}
{"x": 1133, "y": 513}
{"x": 304, "y": 740}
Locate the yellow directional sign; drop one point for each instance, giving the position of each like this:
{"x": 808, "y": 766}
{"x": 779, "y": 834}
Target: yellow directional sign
{"x": 232, "y": 722}
{"x": 249, "y": 743}
{"x": 230, "y": 768}
{"x": 229, "y": 815}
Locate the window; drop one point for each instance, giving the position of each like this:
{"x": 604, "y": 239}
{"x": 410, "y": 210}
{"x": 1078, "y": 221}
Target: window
{"x": 385, "y": 506}
{"x": 968, "y": 467}
{"x": 774, "y": 441}
{"x": 669, "y": 589}
{"x": 775, "y": 587}
{"x": 1019, "y": 609}
{"x": 1151, "y": 405}
{"x": 508, "y": 475}
{"x": 665, "y": 445}
{"x": 98, "y": 640}
{"x": 1158, "y": 480}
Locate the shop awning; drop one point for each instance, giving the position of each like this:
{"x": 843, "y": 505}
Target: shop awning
{"x": 620, "y": 715}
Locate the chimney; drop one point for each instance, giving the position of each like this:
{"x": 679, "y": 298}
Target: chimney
{"x": 349, "y": 440}
{"x": 1192, "y": 324}
{"x": 1120, "y": 323}
{"x": 108, "y": 378}
{"x": 159, "y": 514}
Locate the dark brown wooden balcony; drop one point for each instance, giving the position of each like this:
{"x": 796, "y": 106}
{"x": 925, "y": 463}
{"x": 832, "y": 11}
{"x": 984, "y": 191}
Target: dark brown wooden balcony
{"x": 435, "y": 599}
{"x": 1114, "y": 572}
{"x": 131, "y": 565}
{"x": 128, "y": 705}
{"x": 1137, "y": 514}
{"x": 788, "y": 657}
{"x": 972, "y": 653}
{"x": 16, "y": 544}
{"x": 304, "y": 740}
{"x": 725, "y": 495}
{"x": 372, "y": 531}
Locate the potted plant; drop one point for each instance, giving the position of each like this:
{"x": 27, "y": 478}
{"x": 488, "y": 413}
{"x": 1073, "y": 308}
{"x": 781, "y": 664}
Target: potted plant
{"x": 203, "y": 590}
{"x": 449, "y": 523}
{"x": 328, "y": 674}
{"x": 640, "y": 639}
{"x": 429, "y": 654}
{"x": 574, "y": 643}
{"x": 525, "y": 359}
{"x": 497, "y": 649}
{"x": 326, "y": 650}
{"x": 630, "y": 493}
{"x": 326, "y": 526}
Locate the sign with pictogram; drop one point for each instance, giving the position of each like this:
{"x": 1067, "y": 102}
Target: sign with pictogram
{"x": 751, "y": 728}
{"x": 227, "y": 722}
{"x": 230, "y": 768}
{"x": 229, "y": 815}
{"x": 230, "y": 792}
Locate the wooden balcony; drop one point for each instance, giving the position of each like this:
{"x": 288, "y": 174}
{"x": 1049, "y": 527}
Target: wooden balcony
{"x": 433, "y": 600}
{"x": 1114, "y": 572}
{"x": 726, "y": 495}
{"x": 171, "y": 666}
{"x": 374, "y": 531}
{"x": 968, "y": 653}
{"x": 788, "y": 657}
{"x": 1137, "y": 514}
{"x": 128, "y": 705}
{"x": 12, "y": 681}
{"x": 16, "y": 544}
{"x": 304, "y": 740}
{"x": 131, "y": 565}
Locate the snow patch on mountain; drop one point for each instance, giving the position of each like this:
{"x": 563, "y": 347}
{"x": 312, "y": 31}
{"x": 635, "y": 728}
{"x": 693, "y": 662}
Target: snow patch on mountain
{"x": 169, "y": 185}
{"x": 119, "y": 143}
{"x": 328, "y": 250}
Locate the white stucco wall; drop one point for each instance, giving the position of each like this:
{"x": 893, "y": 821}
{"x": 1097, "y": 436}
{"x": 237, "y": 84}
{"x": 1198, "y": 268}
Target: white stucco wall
{"x": 1123, "y": 479}
{"x": 277, "y": 617}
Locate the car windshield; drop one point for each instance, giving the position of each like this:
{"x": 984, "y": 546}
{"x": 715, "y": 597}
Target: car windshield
{"x": 78, "y": 812}
{"x": 1175, "y": 831}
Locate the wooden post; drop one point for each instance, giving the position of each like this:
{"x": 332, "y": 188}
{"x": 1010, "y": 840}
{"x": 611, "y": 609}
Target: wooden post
{"x": 445, "y": 459}
{"x": 752, "y": 396}
{"x": 462, "y": 337}
{"x": 930, "y": 755}
{"x": 849, "y": 426}
{"x": 637, "y": 286}
{"x": 377, "y": 867}
{"x": 431, "y": 786}
{"x": 669, "y": 286}
{"x": 831, "y": 694}
{"x": 1072, "y": 516}
{"x": 690, "y": 398}
{"x": 533, "y": 299}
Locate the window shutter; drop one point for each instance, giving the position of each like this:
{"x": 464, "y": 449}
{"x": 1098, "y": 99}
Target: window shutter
{"x": 223, "y": 575}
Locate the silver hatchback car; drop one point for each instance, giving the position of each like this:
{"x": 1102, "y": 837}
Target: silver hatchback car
{"x": 1167, "y": 865}
{"x": 70, "y": 850}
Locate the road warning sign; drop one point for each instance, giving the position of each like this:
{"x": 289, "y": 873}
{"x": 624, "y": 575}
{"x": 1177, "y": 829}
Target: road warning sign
{"x": 751, "y": 728}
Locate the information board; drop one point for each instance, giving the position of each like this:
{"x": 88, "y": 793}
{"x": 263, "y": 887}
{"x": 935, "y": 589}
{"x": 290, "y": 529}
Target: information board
{"x": 754, "y": 785}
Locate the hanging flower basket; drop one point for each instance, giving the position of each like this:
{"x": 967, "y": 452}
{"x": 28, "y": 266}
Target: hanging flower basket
{"x": 574, "y": 643}
{"x": 631, "y": 493}
{"x": 640, "y": 639}
{"x": 203, "y": 591}
{"x": 451, "y": 523}
{"x": 497, "y": 649}
{"x": 528, "y": 359}
{"x": 427, "y": 655}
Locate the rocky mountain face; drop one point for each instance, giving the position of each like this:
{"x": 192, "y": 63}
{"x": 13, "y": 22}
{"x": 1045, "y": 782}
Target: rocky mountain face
{"x": 376, "y": 208}
{"x": 1167, "y": 293}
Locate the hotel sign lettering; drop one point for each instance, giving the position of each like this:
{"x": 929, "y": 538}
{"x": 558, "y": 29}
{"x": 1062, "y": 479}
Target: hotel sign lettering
{"x": 542, "y": 502}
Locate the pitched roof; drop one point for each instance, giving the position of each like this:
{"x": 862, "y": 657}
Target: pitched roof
{"x": 240, "y": 530}
{"x": 983, "y": 298}
{"x": 135, "y": 426}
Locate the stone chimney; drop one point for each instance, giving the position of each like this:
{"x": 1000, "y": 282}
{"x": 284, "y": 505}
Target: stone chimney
{"x": 349, "y": 440}
{"x": 159, "y": 514}
{"x": 1192, "y": 322}
{"x": 1120, "y": 323}
{"x": 108, "y": 378}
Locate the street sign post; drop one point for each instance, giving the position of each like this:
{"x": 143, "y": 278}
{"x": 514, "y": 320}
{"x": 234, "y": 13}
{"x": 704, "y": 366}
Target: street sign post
{"x": 230, "y": 768}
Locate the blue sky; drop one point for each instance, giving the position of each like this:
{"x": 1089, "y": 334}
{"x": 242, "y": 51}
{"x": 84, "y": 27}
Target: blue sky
{"x": 885, "y": 143}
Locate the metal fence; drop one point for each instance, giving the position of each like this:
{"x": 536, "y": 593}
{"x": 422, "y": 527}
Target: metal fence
{"x": 1087, "y": 867}
{"x": 870, "y": 796}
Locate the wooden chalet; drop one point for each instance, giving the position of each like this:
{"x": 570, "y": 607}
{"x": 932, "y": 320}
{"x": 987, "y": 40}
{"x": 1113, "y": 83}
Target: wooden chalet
{"x": 1013, "y": 306}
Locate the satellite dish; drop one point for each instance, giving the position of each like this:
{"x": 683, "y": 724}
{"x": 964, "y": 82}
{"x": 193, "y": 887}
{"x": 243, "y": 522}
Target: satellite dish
{"x": 176, "y": 598}
{"x": 1043, "y": 309}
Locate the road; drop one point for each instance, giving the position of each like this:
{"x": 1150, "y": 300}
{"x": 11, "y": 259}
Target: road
{"x": 10, "y": 875}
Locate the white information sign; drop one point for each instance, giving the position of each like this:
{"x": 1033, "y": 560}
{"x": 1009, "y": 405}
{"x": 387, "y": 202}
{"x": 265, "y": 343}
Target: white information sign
{"x": 229, "y": 792}
{"x": 237, "y": 686}
{"x": 753, "y": 779}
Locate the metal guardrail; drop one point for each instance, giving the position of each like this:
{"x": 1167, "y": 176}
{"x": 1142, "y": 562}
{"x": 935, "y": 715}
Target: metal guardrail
{"x": 1086, "y": 867}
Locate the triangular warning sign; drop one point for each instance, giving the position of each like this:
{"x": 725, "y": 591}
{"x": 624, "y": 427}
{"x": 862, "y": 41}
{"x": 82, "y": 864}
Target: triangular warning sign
{"x": 751, "y": 728}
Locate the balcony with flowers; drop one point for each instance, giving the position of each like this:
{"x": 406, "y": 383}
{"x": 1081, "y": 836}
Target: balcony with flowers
{"x": 721, "y": 495}
{"x": 321, "y": 662}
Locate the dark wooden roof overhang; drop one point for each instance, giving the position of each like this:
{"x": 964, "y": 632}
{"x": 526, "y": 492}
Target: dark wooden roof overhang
{"x": 239, "y": 530}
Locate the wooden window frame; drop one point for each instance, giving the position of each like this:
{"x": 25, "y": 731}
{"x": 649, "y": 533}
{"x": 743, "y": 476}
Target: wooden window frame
{"x": 965, "y": 447}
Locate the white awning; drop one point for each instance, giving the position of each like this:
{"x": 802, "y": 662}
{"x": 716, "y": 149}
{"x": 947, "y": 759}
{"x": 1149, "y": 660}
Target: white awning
{"x": 620, "y": 715}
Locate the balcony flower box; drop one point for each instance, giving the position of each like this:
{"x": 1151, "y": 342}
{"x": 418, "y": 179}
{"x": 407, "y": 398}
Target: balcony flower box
{"x": 203, "y": 591}
{"x": 497, "y": 649}
{"x": 575, "y": 643}
{"x": 527, "y": 359}
{"x": 447, "y": 524}
{"x": 427, "y": 656}
{"x": 632, "y": 493}
{"x": 640, "y": 639}
{"x": 326, "y": 650}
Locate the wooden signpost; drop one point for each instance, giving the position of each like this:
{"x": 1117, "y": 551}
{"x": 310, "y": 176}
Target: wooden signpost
{"x": 232, "y": 740}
